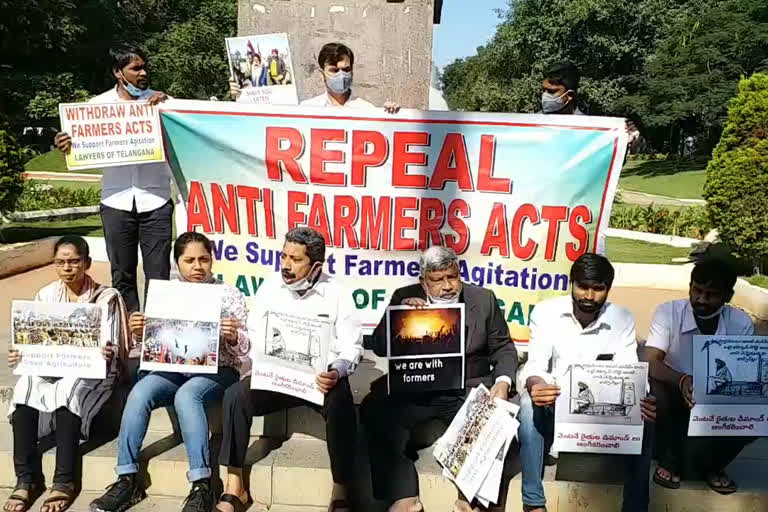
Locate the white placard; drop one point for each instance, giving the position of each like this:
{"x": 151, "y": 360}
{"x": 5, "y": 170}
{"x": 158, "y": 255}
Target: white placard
{"x": 264, "y": 77}
{"x": 730, "y": 386}
{"x": 598, "y": 410}
{"x": 59, "y": 339}
{"x": 288, "y": 351}
{"x": 182, "y": 330}
{"x": 110, "y": 134}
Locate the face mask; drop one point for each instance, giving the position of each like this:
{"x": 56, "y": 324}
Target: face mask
{"x": 131, "y": 89}
{"x": 307, "y": 282}
{"x": 709, "y": 317}
{"x": 551, "y": 104}
{"x": 339, "y": 83}
{"x": 441, "y": 300}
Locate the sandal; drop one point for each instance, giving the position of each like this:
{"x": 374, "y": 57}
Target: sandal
{"x": 669, "y": 483}
{"x": 730, "y": 486}
{"x": 68, "y": 498}
{"x": 237, "y": 505}
{"x": 34, "y": 491}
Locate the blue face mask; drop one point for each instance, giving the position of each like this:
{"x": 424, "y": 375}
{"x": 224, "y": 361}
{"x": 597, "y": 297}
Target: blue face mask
{"x": 131, "y": 89}
{"x": 339, "y": 83}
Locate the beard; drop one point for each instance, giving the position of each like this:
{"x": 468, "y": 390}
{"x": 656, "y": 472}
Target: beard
{"x": 587, "y": 306}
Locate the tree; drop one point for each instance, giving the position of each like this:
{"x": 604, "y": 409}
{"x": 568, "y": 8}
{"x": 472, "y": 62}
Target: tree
{"x": 737, "y": 176}
{"x": 12, "y": 158}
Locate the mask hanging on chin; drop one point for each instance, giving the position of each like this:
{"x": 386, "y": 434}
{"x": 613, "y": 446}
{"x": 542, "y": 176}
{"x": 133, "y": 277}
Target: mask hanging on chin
{"x": 710, "y": 316}
{"x": 440, "y": 300}
{"x": 131, "y": 89}
{"x": 307, "y": 282}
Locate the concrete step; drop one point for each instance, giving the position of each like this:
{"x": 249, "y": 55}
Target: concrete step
{"x": 152, "y": 504}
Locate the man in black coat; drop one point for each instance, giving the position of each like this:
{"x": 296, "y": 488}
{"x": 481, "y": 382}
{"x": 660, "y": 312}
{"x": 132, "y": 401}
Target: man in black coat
{"x": 491, "y": 359}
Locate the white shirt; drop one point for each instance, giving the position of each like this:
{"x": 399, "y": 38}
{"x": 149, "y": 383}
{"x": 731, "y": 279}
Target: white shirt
{"x": 558, "y": 337}
{"x": 328, "y": 299}
{"x": 325, "y": 101}
{"x": 673, "y": 327}
{"x": 149, "y": 185}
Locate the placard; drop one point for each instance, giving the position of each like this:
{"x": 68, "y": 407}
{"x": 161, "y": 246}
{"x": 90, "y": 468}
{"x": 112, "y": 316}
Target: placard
{"x": 262, "y": 67}
{"x": 182, "y": 330}
{"x": 425, "y": 348}
{"x": 59, "y": 339}
{"x": 289, "y": 353}
{"x": 730, "y": 386}
{"x": 598, "y": 410}
{"x": 111, "y": 134}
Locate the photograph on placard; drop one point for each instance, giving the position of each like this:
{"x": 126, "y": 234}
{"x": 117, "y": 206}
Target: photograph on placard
{"x": 731, "y": 369}
{"x": 262, "y": 67}
{"x": 180, "y": 342}
{"x": 56, "y": 324}
{"x": 602, "y": 393}
{"x": 434, "y": 330}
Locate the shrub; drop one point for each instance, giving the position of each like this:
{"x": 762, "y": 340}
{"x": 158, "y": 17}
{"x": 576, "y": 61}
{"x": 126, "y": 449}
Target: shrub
{"x": 737, "y": 176}
{"x": 37, "y": 196}
{"x": 12, "y": 159}
{"x": 689, "y": 221}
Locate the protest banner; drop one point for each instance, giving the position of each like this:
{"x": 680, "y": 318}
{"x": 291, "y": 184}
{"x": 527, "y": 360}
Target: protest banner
{"x": 730, "y": 386}
{"x": 518, "y": 197}
{"x": 288, "y": 351}
{"x": 425, "y": 348}
{"x": 262, "y": 67}
{"x": 182, "y": 328}
{"x": 110, "y": 134}
{"x": 598, "y": 410}
{"x": 59, "y": 339}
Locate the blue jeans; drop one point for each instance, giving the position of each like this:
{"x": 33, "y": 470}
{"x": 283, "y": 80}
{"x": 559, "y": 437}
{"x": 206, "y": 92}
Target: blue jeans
{"x": 536, "y": 432}
{"x": 190, "y": 396}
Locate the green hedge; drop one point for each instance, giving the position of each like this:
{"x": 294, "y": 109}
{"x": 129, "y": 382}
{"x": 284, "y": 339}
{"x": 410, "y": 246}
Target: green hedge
{"x": 688, "y": 221}
{"x": 37, "y": 196}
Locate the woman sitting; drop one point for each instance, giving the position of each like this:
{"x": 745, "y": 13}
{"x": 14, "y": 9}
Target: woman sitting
{"x": 190, "y": 395}
{"x": 66, "y": 405}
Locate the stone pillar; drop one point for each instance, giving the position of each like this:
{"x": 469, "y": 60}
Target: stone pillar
{"x": 392, "y": 42}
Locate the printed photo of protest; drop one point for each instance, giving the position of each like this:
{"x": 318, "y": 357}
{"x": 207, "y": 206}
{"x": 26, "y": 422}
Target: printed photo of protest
{"x": 425, "y": 331}
{"x": 260, "y": 61}
{"x": 180, "y": 342}
{"x": 56, "y": 324}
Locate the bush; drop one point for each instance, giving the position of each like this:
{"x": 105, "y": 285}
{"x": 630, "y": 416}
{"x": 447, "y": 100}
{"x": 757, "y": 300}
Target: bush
{"x": 37, "y": 196}
{"x": 689, "y": 221}
{"x": 12, "y": 159}
{"x": 737, "y": 176}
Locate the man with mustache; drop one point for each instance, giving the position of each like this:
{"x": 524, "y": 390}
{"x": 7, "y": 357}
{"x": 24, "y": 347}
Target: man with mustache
{"x": 390, "y": 420}
{"x": 304, "y": 290}
{"x": 583, "y": 327}
{"x": 669, "y": 349}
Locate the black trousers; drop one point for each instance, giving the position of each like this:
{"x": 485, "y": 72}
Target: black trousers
{"x": 124, "y": 233}
{"x": 690, "y": 457}
{"x": 27, "y": 459}
{"x": 390, "y": 422}
{"x": 241, "y": 404}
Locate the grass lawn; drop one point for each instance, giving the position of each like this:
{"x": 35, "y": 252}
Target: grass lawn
{"x": 669, "y": 178}
{"x": 26, "y": 231}
{"x": 70, "y": 184}
{"x": 761, "y": 281}
{"x": 53, "y": 161}
{"x": 621, "y": 250}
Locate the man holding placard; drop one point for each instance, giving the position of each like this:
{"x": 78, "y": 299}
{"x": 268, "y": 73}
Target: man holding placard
{"x": 136, "y": 206}
{"x": 581, "y": 328}
{"x": 669, "y": 349}
{"x": 491, "y": 360}
{"x": 289, "y": 338}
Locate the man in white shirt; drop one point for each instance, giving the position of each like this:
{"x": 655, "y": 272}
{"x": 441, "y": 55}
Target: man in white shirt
{"x": 390, "y": 419}
{"x": 305, "y": 289}
{"x": 669, "y": 349}
{"x": 136, "y": 207}
{"x": 582, "y": 327}
{"x": 336, "y": 62}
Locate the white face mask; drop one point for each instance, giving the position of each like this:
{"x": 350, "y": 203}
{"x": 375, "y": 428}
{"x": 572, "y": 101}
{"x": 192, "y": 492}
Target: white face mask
{"x": 551, "y": 104}
{"x": 441, "y": 300}
{"x": 307, "y": 282}
{"x": 710, "y": 317}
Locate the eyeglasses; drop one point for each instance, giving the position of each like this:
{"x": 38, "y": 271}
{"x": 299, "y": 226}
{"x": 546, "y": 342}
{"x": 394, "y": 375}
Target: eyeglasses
{"x": 67, "y": 263}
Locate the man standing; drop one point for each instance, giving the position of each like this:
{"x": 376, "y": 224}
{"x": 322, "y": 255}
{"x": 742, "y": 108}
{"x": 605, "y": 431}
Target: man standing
{"x": 276, "y": 67}
{"x": 669, "y": 349}
{"x": 491, "y": 359}
{"x": 136, "y": 207}
{"x": 336, "y": 62}
{"x": 303, "y": 289}
{"x": 582, "y": 327}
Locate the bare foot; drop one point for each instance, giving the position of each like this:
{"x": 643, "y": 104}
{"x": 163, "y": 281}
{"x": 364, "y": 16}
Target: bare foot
{"x": 12, "y": 505}
{"x": 57, "y": 506}
{"x": 406, "y": 505}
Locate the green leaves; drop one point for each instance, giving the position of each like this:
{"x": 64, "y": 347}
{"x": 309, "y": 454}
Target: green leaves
{"x": 12, "y": 158}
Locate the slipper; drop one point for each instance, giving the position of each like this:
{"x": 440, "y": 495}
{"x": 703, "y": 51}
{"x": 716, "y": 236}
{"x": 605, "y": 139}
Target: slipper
{"x": 233, "y": 500}
{"x": 729, "y": 488}
{"x": 68, "y": 498}
{"x": 665, "y": 482}
{"x": 35, "y": 491}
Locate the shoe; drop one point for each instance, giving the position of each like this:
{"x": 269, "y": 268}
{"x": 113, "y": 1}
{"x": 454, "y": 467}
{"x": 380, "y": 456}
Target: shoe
{"x": 200, "y": 497}
{"x": 120, "y": 496}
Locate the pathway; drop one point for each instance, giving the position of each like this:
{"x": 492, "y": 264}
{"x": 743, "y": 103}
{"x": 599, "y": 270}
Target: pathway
{"x": 631, "y": 197}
